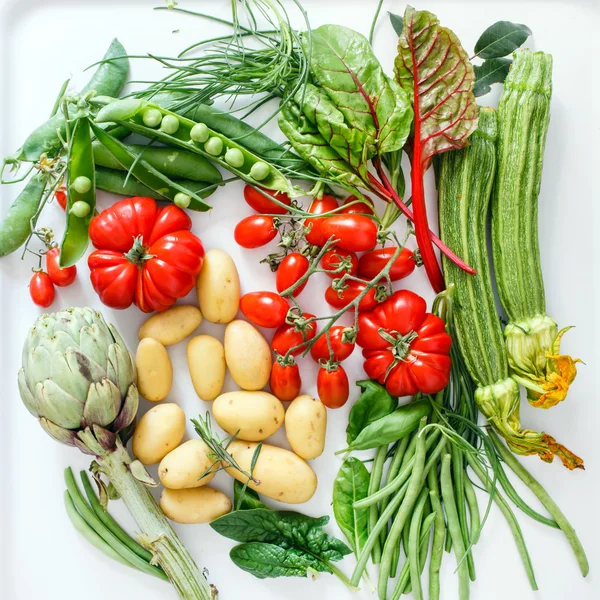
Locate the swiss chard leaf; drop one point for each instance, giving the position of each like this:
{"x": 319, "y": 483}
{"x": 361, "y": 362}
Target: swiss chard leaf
{"x": 397, "y": 23}
{"x": 245, "y": 499}
{"x": 351, "y": 484}
{"x": 493, "y": 70}
{"x": 374, "y": 403}
{"x": 501, "y": 39}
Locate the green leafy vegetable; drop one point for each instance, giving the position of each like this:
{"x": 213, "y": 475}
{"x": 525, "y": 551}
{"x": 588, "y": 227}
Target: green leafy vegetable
{"x": 501, "y": 39}
{"x": 245, "y": 498}
{"x": 374, "y": 403}
{"x": 397, "y": 23}
{"x": 491, "y": 71}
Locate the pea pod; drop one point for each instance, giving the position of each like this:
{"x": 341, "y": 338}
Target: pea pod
{"x": 145, "y": 173}
{"x": 17, "y": 224}
{"x": 108, "y": 80}
{"x": 129, "y": 112}
{"x": 80, "y": 164}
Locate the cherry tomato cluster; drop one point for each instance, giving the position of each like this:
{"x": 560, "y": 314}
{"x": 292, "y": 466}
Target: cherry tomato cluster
{"x": 41, "y": 286}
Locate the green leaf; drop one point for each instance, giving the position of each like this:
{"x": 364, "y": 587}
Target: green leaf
{"x": 268, "y": 560}
{"x": 501, "y": 38}
{"x": 491, "y": 71}
{"x": 397, "y": 23}
{"x": 351, "y": 484}
{"x": 244, "y": 498}
{"x": 344, "y": 65}
{"x": 374, "y": 403}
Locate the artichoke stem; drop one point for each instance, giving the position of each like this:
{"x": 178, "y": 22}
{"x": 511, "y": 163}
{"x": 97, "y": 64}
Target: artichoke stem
{"x": 157, "y": 534}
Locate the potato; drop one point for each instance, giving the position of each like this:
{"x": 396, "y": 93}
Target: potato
{"x": 171, "y": 326}
{"x": 283, "y": 476}
{"x": 158, "y": 432}
{"x": 154, "y": 370}
{"x": 218, "y": 287}
{"x": 206, "y": 361}
{"x": 254, "y": 416}
{"x": 248, "y": 355}
{"x": 196, "y": 505}
{"x": 305, "y": 426}
{"x": 183, "y": 467}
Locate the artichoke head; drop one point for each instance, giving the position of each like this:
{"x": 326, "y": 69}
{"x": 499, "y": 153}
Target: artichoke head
{"x": 78, "y": 379}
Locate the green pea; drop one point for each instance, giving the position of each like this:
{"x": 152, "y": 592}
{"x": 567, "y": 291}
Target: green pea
{"x": 169, "y": 124}
{"x": 259, "y": 171}
{"x": 234, "y": 157}
{"x": 214, "y": 146}
{"x": 152, "y": 117}
{"x": 80, "y": 209}
{"x": 182, "y": 200}
{"x": 199, "y": 133}
{"x": 82, "y": 184}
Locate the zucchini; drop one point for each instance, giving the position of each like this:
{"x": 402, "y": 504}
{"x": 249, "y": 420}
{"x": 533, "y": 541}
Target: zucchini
{"x": 532, "y": 337}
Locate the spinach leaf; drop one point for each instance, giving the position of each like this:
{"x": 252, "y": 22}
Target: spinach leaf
{"x": 245, "y": 499}
{"x": 351, "y": 484}
{"x": 374, "y": 403}
{"x": 268, "y": 560}
{"x": 491, "y": 71}
{"x": 500, "y": 39}
{"x": 397, "y": 23}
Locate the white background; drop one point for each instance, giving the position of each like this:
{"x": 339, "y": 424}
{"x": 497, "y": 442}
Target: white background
{"x": 43, "y": 557}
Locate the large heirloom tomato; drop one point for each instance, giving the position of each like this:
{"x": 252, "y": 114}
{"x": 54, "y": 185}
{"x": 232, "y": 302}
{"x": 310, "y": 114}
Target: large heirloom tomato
{"x": 405, "y": 347}
{"x": 146, "y": 254}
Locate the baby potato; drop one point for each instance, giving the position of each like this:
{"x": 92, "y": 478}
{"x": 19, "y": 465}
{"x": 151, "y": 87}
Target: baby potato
{"x": 171, "y": 326}
{"x": 195, "y": 505}
{"x": 248, "y": 355}
{"x": 305, "y": 426}
{"x": 154, "y": 370}
{"x": 206, "y": 361}
{"x": 283, "y": 476}
{"x": 254, "y": 416}
{"x": 183, "y": 467}
{"x": 158, "y": 432}
{"x": 218, "y": 287}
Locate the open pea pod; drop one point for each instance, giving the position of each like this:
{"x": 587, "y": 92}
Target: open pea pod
{"x": 130, "y": 113}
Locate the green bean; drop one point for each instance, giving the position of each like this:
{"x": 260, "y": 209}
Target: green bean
{"x": 413, "y": 544}
{"x": 439, "y": 531}
{"x": 177, "y": 164}
{"x": 474, "y": 518}
{"x": 80, "y": 163}
{"x": 545, "y": 499}
{"x": 454, "y": 528}
{"x": 21, "y": 218}
{"x": 374, "y": 482}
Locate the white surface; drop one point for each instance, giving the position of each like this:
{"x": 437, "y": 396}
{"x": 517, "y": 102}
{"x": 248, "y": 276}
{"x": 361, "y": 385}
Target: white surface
{"x": 42, "y": 555}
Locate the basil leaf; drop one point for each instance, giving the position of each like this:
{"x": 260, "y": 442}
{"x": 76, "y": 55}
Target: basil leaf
{"x": 491, "y": 71}
{"x": 268, "y": 560}
{"x": 351, "y": 484}
{"x": 397, "y": 23}
{"x": 501, "y": 38}
{"x": 245, "y": 499}
{"x": 374, "y": 403}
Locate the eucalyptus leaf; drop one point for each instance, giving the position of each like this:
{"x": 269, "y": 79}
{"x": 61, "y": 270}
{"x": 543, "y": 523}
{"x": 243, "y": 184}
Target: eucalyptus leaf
{"x": 501, "y": 38}
{"x": 397, "y": 23}
{"x": 491, "y": 71}
{"x": 373, "y": 403}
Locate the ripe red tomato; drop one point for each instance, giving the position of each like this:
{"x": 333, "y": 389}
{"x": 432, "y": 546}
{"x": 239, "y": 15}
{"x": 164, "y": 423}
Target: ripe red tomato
{"x": 290, "y": 270}
{"x": 289, "y": 336}
{"x": 255, "y": 231}
{"x": 41, "y": 289}
{"x": 333, "y": 387}
{"x": 358, "y": 208}
{"x": 341, "y": 349}
{"x": 285, "y": 381}
{"x": 331, "y": 261}
{"x": 353, "y": 232}
{"x": 265, "y": 309}
{"x": 59, "y": 277}
{"x": 354, "y": 289}
{"x": 61, "y": 197}
{"x": 318, "y": 207}
{"x": 372, "y": 263}
{"x": 264, "y": 205}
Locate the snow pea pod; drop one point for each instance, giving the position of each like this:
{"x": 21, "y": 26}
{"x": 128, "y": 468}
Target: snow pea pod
{"x": 108, "y": 80}
{"x": 22, "y": 215}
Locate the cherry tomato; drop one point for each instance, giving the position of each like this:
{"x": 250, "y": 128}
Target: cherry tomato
{"x": 358, "y": 208}
{"x": 331, "y": 262}
{"x": 341, "y": 349}
{"x": 333, "y": 387}
{"x": 41, "y": 289}
{"x": 255, "y": 231}
{"x": 354, "y": 232}
{"x": 265, "y": 309}
{"x": 372, "y": 263}
{"x": 290, "y": 270}
{"x": 262, "y": 204}
{"x": 61, "y": 197}
{"x": 59, "y": 277}
{"x": 289, "y": 336}
{"x": 285, "y": 381}
{"x": 346, "y": 296}
{"x": 318, "y": 207}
